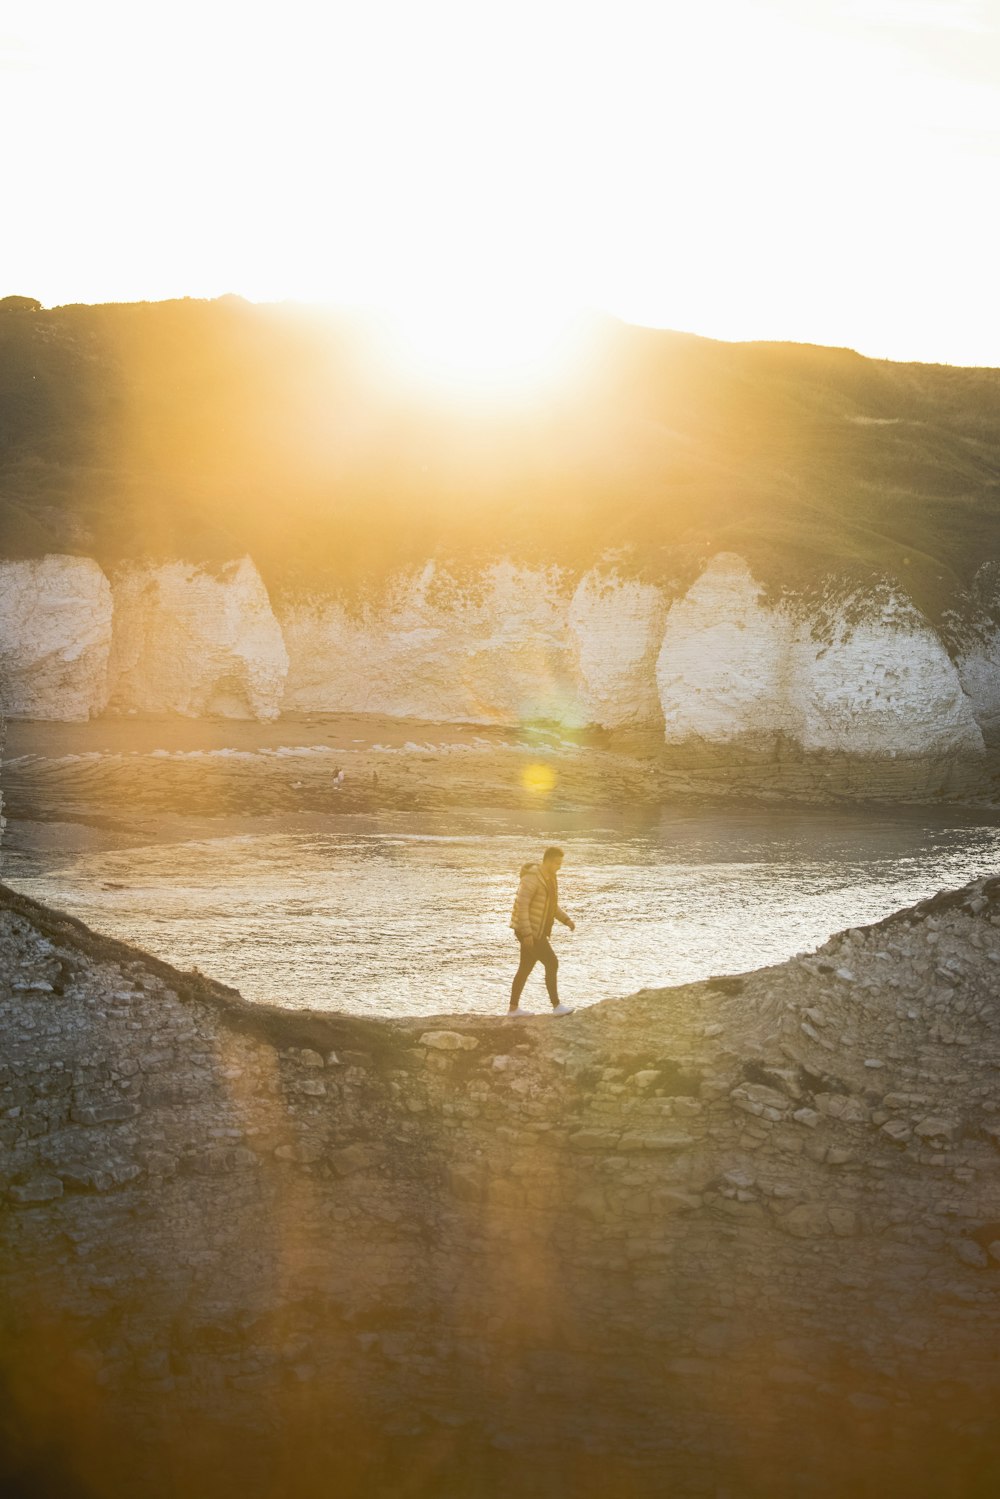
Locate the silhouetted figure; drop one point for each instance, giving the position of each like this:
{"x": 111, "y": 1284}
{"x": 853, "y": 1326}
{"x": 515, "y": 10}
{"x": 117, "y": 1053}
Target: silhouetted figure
{"x": 536, "y": 907}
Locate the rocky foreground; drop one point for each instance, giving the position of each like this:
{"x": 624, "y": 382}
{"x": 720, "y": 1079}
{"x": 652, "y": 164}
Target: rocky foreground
{"x": 736, "y": 1239}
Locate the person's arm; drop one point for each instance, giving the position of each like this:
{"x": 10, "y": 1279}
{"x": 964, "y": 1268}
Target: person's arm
{"x": 566, "y": 920}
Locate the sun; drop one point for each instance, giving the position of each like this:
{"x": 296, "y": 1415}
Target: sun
{"x": 480, "y": 348}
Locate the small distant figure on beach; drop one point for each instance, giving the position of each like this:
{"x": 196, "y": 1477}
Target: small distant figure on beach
{"x": 338, "y": 779}
{"x": 536, "y": 907}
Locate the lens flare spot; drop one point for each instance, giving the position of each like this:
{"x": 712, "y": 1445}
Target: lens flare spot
{"x": 539, "y": 778}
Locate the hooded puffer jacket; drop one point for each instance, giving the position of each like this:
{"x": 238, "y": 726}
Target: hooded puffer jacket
{"x": 536, "y": 904}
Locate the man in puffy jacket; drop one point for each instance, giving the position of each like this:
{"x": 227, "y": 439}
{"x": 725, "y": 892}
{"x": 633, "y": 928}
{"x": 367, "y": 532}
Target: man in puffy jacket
{"x": 536, "y": 907}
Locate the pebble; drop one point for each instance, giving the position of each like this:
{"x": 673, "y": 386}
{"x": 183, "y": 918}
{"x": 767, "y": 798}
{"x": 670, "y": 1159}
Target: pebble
{"x": 448, "y": 1041}
{"x": 563, "y": 1142}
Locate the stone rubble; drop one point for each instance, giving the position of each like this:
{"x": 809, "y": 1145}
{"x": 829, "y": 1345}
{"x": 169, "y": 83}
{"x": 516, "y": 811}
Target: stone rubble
{"x": 693, "y": 1235}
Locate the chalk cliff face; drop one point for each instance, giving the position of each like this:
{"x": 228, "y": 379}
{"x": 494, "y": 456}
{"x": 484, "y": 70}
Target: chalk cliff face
{"x": 733, "y": 670}
{"x": 195, "y": 642}
{"x": 725, "y": 669}
{"x": 884, "y": 687}
{"x": 979, "y": 673}
{"x": 739, "y": 1237}
{"x": 55, "y": 638}
{"x": 617, "y": 626}
{"x": 719, "y": 666}
{"x": 514, "y": 643}
{"x": 493, "y": 650}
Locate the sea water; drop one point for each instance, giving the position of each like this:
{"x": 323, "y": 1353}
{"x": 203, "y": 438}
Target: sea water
{"x": 407, "y": 913}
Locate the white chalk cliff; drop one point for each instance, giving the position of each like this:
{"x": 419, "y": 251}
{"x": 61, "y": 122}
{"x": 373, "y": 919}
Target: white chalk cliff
{"x": 733, "y": 669}
{"x": 725, "y": 670}
{"x": 496, "y": 649}
{"x": 511, "y": 644}
{"x": 196, "y": 642}
{"x": 55, "y": 638}
{"x": 979, "y": 673}
{"x": 884, "y": 686}
{"x": 718, "y": 665}
{"x": 617, "y": 626}
{"x": 979, "y": 663}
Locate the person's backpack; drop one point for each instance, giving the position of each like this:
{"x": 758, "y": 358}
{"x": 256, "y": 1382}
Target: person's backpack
{"x": 523, "y": 871}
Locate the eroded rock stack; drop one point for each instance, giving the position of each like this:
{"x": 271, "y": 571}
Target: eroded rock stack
{"x": 741, "y": 1237}
{"x": 55, "y": 636}
{"x": 718, "y": 667}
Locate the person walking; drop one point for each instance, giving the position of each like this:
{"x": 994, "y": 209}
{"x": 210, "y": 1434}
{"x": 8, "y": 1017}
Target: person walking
{"x": 536, "y": 907}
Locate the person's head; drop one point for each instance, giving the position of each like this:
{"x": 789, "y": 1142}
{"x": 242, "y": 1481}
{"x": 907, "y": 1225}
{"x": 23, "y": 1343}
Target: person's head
{"x": 552, "y": 858}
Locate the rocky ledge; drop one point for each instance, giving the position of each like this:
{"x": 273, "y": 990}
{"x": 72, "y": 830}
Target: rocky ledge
{"x": 739, "y": 1238}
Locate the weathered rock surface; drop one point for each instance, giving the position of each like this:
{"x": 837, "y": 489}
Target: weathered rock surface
{"x": 979, "y": 661}
{"x": 190, "y": 641}
{"x": 617, "y": 625}
{"x": 735, "y": 1238}
{"x": 493, "y": 649}
{"x": 979, "y": 673}
{"x": 733, "y": 669}
{"x": 510, "y": 644}
{"x": 720, "y": 669}
{"x": 725, "y": 670}
{"x": 718, "y": 665}
{"x": 55, "y": 638}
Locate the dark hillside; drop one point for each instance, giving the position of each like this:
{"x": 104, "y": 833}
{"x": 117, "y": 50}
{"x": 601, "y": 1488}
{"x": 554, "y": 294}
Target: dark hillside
{"x": 203, "y": 429}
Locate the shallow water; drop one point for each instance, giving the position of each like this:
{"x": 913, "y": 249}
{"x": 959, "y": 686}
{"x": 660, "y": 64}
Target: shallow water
{"x": 408, "y": 913}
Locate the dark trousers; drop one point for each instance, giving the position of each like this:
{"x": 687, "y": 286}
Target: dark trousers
{"x": 532, "y": 953}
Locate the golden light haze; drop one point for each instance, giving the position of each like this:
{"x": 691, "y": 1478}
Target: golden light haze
{"x": 481, "y": 350}
{"x": 792, "y": 169}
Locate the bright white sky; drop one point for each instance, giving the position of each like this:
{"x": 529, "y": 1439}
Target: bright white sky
{"x": 818, "y": 170}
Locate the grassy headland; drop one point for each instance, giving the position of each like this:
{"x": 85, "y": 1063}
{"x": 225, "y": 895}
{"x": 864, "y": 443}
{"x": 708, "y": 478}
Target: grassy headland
{"x": 207, "y": 429}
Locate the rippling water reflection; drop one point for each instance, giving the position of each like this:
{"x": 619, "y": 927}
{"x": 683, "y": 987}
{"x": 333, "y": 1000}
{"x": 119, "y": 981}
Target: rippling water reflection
{"x": 408, "y": 914}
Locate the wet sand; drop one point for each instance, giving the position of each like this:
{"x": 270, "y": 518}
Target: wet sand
{"x": 130, "y": 778}
{"x": 116, "y": 780}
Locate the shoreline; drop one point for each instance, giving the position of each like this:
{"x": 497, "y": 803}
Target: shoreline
{"x": 171, "y": 835}
{"x": 121, "y": 772}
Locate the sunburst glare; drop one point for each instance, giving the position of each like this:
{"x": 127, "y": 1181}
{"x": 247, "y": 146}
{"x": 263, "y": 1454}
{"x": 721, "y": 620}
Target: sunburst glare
{"x": 482, "y": 347}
